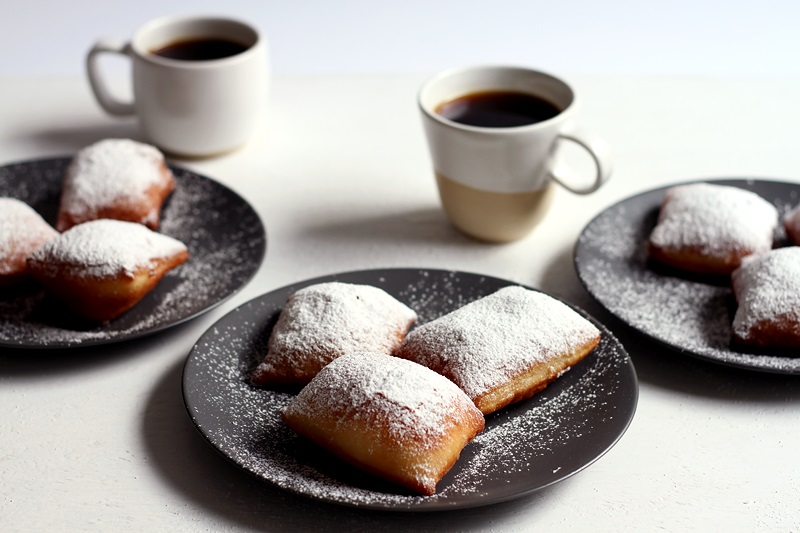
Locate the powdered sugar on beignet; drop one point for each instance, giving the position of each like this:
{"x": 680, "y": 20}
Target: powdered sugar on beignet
{"x": 767, "y": 289}
{"x": 102, "y": 268}
{"x": 322, "y": 322}
{"x": 22, "y": 232}
{"x": 709, "y": 228}
{"x": 504, "y": 347}
{"x": 115, "y": 178}
{"x": 388, "y": 416}
{"x": 107, "y": 248}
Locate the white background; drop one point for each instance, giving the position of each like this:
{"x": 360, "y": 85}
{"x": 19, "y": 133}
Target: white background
{"x": 706, "y": 38}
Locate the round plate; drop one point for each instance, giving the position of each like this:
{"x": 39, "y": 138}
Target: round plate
{"x": 524, "y": 448}
{"x": 226, "y": 242}
{"x": 691, "y": 315}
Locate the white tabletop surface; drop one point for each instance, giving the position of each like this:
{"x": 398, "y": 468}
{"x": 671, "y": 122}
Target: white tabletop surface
{"x": 99, "y": 440}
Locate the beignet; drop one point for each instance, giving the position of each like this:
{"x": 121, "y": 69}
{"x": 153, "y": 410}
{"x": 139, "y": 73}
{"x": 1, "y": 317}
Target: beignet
{"x": 22, "y": 232}
{"x": 391, "y": 417}
{"x": 767, "y": 290}
{"x": 322, "y": 322}
{"x": 119, "y": 179}
{"x": 791, "y": 222}
{"x": 102, "y": 268}
{"x": 708, "y": 229}
{"x": 504, "y": 347}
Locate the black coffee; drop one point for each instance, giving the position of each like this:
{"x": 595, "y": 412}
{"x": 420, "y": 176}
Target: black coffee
{"x": 201, "y": 49}
{"x": 498, "y": 109}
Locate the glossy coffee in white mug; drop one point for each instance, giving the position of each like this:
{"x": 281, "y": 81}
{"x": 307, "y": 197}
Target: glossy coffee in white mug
{"x": 200, "y": 49}
{"x": 199, "y": 83}
{"x": 498, "y": 109}
{"x": 492, "y": 134}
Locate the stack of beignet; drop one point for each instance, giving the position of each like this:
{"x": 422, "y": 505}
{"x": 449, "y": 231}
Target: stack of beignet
{"x": 717, "y": 229}
{"x": 405, "y": 408}
{"x": 108, "y": 256}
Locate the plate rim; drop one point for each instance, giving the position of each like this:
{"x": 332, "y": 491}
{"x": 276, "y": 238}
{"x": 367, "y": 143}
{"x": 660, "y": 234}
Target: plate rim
{"x": 731, "y": 180}
{"x": 88, "y": 343}
{"x": 435, "y": 506}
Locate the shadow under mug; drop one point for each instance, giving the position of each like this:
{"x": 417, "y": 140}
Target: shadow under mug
{"x": 496, "y": 183}
{"x": 189, "y": 107}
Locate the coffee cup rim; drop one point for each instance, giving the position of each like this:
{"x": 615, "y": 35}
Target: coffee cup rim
{"x": 146, "y": 53}
{"x": 428, "y": 108}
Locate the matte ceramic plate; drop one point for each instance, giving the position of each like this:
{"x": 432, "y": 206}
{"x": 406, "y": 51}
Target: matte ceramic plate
{"x": 687, "y": 313}
{"x": 226, "y": 242}
{"x": 526, "y": 447}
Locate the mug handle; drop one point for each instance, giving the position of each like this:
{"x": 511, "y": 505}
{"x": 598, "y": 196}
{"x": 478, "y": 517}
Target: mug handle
{"x": 599, "y": 152}
{"x": 107, "y": 101}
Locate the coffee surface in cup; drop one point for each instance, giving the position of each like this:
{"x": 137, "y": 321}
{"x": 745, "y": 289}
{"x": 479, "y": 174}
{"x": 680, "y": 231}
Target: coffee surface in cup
{"x": 200, "y": 49}
{"x": 498, "y": 109}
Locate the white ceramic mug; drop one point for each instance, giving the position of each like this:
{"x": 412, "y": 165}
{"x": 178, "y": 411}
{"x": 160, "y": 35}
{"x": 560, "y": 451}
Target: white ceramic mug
{"x": 496, "y": 183}
{"x": 194, "y": 108}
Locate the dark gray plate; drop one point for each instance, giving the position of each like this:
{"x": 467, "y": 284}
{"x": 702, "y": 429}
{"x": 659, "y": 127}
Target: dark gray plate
{"x": 690, "y": 314}
{"x": 524, "y": 448}
{"x": 226, "y": 242}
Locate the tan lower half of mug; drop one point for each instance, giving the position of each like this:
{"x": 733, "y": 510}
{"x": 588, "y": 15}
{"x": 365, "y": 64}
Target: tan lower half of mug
{"x": 493, "y": 216}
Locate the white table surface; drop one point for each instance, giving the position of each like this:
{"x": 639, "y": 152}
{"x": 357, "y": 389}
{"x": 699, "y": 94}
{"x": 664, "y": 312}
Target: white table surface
{"x": 99, "y": 440}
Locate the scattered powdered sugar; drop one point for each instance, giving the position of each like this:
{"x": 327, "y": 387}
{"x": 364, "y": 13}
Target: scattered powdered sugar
{"x": 692, "y": 315}
{"x": 524, "y": 447}
{"x": 106, "y": 248}
{"x": 109, "y": 172}
{"x": 491, "y": 340}
{"x": 224, "y": 235}
{"x": 768, "y": 289}
{"x": 22, "y": 230}
{"x": 327, "y": 320}
{"x": 585, "y": 406}
{"x": 715, "y": 219}
{"x": 433, "y": 296}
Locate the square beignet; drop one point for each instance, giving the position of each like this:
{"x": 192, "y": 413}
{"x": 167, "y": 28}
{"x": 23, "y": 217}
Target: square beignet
{"x": 119, "y": 179}
{"x": 324, "y": 321}
{"x": 22, "y": 232}
{"x": 504, "y": 347}
{"x": 767, "y": 290}
{"x": 708, "y": 229}
{"x": 102, "y": 268}
{"x": 387, "y": 416}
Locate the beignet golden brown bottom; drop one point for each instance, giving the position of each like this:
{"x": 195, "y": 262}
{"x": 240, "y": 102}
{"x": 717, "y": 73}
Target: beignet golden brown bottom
{"x": 387, "y": 416}
{"x": 101, "y": 269}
